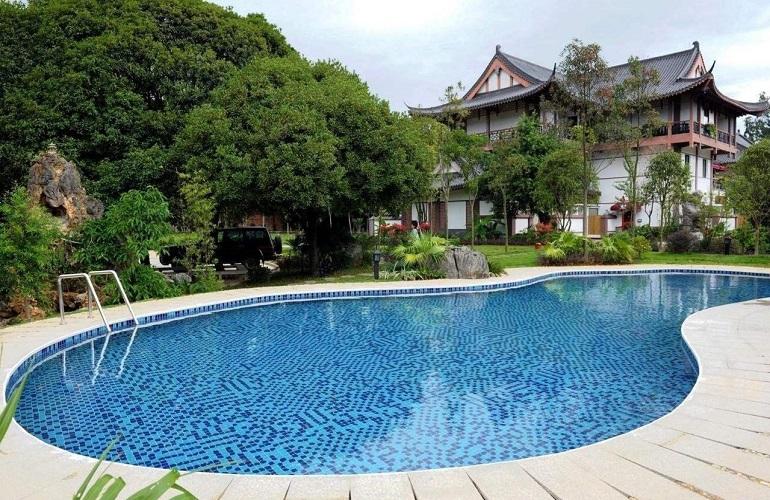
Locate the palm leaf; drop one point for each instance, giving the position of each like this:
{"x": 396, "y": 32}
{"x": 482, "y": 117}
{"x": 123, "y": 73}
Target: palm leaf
{"x": 84, "y": 490}
{"x": 6, "y": 416}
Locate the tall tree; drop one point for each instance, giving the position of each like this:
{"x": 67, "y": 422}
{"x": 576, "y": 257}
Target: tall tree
{"x": 453, "y": 116}
{"x": 633, "y": 119}
{"x": 585, "y": 89}
{"x": 507, "y": 168}
{"x": 668, "y": 179}
{"x": 758, "y": 128}
{"x": 467, "y": 153}
{"x": 558, "y": 184}
{"x": 111, "y": 83}
{"x": 307, "y": 141}
{"x": 747, "y": 186}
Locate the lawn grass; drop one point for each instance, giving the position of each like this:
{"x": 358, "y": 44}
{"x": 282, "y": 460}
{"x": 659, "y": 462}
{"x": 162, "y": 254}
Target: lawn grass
{"x": 526, "y": 256}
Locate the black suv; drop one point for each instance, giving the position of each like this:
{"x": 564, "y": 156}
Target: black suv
{"x": 249, "y": 246}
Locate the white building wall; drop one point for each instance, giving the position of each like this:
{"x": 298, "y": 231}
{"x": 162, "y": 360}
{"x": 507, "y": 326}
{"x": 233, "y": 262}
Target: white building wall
{"x": 456, "y": 215}
{"x": 505, "y": 119}
{"x": 476, "y": 123}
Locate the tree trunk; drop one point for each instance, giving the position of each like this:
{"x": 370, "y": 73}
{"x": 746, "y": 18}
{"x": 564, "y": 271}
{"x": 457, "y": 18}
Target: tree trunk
{"x": 315, "y": 259}
{"x": 662, "y": 219}
{"x": 472, "y": 201}
{"x": 757, "y": 237}
{"x": 505, "y": 216}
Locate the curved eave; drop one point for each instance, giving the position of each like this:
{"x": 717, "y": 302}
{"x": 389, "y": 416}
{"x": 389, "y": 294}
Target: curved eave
{"x": 483, "y": 100}
{"x": 749, "y": 108}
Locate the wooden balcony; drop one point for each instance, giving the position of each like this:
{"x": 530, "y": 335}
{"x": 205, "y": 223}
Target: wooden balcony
{"x": 692, "y": 132}
{"x": 681, "y": 132}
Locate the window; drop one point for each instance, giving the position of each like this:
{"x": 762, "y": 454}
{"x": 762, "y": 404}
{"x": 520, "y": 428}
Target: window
{"x": 705, "y": 168}
{"x": 687, "y": 160}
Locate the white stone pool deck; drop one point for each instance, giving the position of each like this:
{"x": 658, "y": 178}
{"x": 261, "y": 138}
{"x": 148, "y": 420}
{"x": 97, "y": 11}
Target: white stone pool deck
{"x": 716, "y": 444}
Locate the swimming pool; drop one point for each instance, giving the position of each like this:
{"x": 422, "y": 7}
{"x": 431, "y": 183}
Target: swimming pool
{"x": 383, "y": 384}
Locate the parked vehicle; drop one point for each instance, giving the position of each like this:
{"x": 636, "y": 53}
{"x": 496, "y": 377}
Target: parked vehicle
{"x": 250, "y": 246}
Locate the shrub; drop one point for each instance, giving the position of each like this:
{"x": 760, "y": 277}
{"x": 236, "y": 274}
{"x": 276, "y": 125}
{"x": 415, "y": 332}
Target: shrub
{"x": 141, "y": 283}
{"x": 641, "y": 245}
{"x": 27, "y": 256}
{"x": 420, "y": 253}
{"x": 681, "y": 241}
{"x": 744, "y": 236}
{"x": 496, "y": 268}
{"x": 129, "y": 229}
{"x": 616, "y": 249}
{"x": 565, "y": 248}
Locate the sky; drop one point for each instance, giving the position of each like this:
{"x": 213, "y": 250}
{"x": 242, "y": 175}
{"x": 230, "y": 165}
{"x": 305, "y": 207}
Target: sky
{"x": 409, "y": 51}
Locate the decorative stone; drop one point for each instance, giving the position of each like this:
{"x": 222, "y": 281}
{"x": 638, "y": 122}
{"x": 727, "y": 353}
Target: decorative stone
{"x": 181, "y": 278}
{"x": 55, "y": 183}
{"x": 464, "y": 263}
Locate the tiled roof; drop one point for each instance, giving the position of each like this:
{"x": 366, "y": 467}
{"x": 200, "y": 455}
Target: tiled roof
{"x": 529, "y": 70}
{"x": 672, "y": 70}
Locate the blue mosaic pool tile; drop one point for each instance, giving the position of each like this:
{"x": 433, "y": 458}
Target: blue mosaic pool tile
{"x": 379, "y": 384}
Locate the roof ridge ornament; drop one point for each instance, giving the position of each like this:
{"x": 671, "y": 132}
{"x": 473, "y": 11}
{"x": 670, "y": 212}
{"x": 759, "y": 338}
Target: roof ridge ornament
{"x": 497, "y": 48}
{"x": 696, "y": 44}
{"x": 711, "y": 69}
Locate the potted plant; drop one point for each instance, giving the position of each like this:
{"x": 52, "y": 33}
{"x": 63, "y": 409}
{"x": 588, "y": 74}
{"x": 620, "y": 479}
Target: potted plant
{"x": 710, "y": 130}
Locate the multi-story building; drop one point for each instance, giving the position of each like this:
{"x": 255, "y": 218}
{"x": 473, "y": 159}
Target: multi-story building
{"x": 698, "y": 120}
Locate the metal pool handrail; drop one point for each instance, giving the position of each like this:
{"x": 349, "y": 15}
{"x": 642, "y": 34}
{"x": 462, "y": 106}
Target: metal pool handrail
{"x": 112, "y": 273}
{"x": 91, "y": 293}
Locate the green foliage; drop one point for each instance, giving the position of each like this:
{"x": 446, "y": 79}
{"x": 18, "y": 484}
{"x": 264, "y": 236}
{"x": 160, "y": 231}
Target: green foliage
{"x": 127, "y": 231}
{"x": 27, "y": 256}
{"x": 419, "y": 255}
{"x": 558, "y": 185}
{"x": 143, "y": 283}
{"x": 108, "y": 487}
{"x": 496, "y": 268}
{"x": 305, "y": 140}
{"x": 487, "y": 228}
{"x": 668, "y": 179}
{"x": 564, "y": 247}
{"x": 747, "y": 186}
{"x": 616, "y": 249}
{"x": 570, "y": 248}
{"x": 745, "y": 236}
{"x": 680, "y": 241}
{"x": 6, "y": 416}
{"x": 112, "y": 82}
{"x": 641, "y": 245}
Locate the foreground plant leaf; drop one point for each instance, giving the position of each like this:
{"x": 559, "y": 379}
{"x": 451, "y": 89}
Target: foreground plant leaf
{"x": 161, "y": 486}
{"x": 84, "y": 492}
{"x": 6, "y": 416}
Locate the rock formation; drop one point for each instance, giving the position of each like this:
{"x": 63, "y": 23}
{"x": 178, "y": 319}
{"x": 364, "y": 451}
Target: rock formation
{"x": 464, "y": 263}
{"x": 55, "y": 182}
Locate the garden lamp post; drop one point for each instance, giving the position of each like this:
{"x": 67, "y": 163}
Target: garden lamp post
{"x": 376, "y": 256}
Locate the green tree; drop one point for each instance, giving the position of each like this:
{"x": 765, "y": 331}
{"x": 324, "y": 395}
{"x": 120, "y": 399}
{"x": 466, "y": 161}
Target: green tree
{"x": 747, "y": 186}
{"x": 446, "y": 171}
{"x": 758, "y": 128}
{"x": 507, "y": 169}
{"x": 585, "y": 89}
{"x": 558, "y": 184}
{"x": 27, "y": 254}
{"x": 112, "y": 82}
{"x": 633, "y": 119}
{"x": 307, "y": 141}
{"x": 467, "y": 153}
{"x": 668, "y": 179}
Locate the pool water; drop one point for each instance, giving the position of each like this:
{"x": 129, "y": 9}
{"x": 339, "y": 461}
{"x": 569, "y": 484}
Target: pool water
{"x": 383, "y": 384}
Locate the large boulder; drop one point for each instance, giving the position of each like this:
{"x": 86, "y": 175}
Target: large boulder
{"x": 464, "y": 263}
{"x": 55, "y": 183}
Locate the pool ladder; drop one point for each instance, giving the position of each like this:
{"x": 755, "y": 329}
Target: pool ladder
{"x": 92, "y": 294}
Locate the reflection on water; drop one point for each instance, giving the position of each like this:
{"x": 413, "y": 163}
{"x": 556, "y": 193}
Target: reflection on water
{"x": 383, "y": 384}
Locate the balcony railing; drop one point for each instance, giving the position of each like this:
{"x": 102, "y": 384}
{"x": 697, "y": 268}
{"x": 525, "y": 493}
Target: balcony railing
{"x": 669, "y": 128}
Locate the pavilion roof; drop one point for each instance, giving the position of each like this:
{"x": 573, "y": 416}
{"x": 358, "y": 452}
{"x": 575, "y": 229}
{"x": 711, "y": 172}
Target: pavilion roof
{"x": 674, "y": 71}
